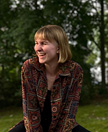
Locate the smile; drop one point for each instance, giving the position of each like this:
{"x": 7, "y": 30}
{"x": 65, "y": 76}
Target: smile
{"x": 41, "y": 55}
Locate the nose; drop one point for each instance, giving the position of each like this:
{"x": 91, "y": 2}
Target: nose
{"x": 37, "y": 47}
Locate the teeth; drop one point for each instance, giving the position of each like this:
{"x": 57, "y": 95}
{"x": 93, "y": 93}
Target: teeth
{"x": 41, "y": 54}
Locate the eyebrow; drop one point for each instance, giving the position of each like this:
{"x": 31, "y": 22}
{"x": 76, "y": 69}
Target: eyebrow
{"x": 42, "y": 40}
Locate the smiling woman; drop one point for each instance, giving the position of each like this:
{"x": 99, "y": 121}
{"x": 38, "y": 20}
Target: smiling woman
{"x": 54, "y": 33}
{"x": 46, "y": 51}
{"x": 51, "y": 85}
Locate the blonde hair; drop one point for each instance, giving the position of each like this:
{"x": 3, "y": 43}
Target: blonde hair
{"x": 57, "y": 34}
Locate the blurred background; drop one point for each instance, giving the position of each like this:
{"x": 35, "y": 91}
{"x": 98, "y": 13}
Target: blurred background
{"x": 86, "y": 25}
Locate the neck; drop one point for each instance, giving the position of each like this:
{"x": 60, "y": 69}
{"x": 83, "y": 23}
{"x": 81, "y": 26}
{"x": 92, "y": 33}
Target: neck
{"x": 51, "y": 69}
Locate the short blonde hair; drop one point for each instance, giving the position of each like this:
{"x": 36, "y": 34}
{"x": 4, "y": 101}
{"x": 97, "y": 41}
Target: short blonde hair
{"x": 57, "y": 34}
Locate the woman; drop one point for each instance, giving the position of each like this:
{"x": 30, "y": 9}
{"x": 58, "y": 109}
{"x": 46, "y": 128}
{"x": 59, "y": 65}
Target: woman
{"x": 51, "y": 85}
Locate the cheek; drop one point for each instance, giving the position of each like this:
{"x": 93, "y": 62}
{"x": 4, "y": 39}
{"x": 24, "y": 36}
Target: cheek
{"x": 53, "y": 52}
{"x": 35, "y": 48}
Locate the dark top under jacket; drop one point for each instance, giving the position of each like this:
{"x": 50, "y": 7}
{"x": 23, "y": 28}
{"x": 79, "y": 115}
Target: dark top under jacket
{"x": 46, "y": 113}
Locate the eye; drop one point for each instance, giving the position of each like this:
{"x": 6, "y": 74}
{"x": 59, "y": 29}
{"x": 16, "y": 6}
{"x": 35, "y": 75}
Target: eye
{"x": 36, "y": 43}
{"x": 44, "y": 43}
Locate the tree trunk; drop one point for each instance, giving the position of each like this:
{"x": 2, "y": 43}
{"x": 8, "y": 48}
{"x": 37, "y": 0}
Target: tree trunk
{"x": 102, "y": 41}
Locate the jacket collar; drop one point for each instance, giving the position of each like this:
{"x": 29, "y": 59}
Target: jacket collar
{"x": 64, "y": 68}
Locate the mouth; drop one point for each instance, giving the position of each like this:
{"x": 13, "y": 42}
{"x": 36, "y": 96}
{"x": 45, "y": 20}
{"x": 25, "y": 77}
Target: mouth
{"x": 41, "y": 54}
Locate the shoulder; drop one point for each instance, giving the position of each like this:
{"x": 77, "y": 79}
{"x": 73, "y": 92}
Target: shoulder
{"x": 74, "y": 66}
{"x": 76, "y": 69}
{"x": 30, "y": 63}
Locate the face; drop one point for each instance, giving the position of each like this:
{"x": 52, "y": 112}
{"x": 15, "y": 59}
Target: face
{"x": 46, "y": 51}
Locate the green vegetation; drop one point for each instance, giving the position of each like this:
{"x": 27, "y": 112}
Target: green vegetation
{"x": 94, "y": 117}
{"x": 9, "y": 117}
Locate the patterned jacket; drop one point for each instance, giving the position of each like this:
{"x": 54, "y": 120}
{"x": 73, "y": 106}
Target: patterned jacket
{"x": 65, "y": 95}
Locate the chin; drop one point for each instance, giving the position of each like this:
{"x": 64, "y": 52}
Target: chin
{"x": 41, "y": 62}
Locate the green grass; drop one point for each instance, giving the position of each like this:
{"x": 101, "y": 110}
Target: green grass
{"x": 94, "y": 117}
{"x": 9, "y": 117}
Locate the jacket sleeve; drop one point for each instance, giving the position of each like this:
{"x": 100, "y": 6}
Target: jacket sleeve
{"x": 67, "y": 118}
{"x": 31, "y": 112}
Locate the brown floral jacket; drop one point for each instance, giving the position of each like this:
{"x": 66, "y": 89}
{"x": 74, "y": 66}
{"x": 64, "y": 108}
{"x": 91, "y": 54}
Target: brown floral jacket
{"x": 65, "y": 95}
